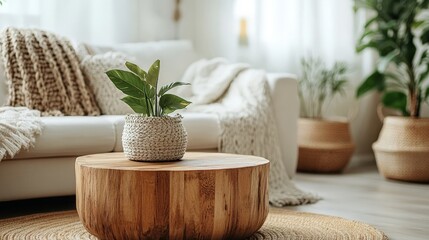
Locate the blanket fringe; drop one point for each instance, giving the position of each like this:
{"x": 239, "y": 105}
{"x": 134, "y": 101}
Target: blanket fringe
{"x": 19, "y": 127}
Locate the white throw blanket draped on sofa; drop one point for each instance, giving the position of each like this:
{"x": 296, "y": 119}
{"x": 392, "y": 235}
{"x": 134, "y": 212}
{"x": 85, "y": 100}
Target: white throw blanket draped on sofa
{"x": 241, "y": 98}
{"x": 19, "y": 127}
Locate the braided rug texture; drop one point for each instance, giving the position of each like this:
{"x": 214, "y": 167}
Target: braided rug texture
{"x": 280, "y": 224}
{"x": 43, "y": 73}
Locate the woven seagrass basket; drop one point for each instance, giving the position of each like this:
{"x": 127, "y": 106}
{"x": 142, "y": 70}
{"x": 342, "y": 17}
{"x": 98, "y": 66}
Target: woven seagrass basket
{"x": 402, "y": 149}
{"x": 154, "y": 138}
{"x": 325, "y": 145}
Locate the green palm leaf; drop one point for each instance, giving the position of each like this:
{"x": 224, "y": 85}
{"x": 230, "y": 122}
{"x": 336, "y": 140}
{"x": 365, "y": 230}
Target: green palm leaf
{"x": 170, "y": 86}
{"x": 153, "y": 74}
{"x": 137, "y": 70}
{"x": 138, "y": 105}
{"x": 170, "y": 103}
{"x": 127, "y": 82}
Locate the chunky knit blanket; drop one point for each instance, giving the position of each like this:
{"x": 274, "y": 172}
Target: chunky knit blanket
{"x": 247, "y": 120}
{"x": 19, "y": 127}
{"x": 43, "y": 73}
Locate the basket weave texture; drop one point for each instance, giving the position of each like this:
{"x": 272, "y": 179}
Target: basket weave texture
{"x": 402, "y": 149}
{"x": 324, "y": 145}
{"x": 154, "y": 138}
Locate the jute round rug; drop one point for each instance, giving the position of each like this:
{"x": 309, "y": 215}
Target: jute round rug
{"x": 280, "y": 224}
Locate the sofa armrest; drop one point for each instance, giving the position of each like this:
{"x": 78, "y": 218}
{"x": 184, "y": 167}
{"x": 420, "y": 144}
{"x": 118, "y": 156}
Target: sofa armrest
{"x": 284, "y": 90}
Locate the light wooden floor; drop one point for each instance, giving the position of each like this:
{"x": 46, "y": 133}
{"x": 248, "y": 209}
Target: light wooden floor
{"x": 399, "y": 209}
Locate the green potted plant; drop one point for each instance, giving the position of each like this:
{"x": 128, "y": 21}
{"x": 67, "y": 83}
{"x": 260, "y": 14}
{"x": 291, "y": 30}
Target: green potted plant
{"x": 399, "y": 33}
{"x": 150, "y": 134}
{"x": 325, "y": 144}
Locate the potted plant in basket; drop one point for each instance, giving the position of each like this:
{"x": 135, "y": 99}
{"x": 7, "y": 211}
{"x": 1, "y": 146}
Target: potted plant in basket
{"x": 325, "y": 144}
{"x": 150, "y": 134}
{"x": 399, "y": 33}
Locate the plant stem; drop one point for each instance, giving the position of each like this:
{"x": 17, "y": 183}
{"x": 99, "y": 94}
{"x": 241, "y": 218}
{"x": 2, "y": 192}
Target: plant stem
{"x": 414, "y": 97}
{"x": 156, "y": 100}
{"x": 303, "y": 107}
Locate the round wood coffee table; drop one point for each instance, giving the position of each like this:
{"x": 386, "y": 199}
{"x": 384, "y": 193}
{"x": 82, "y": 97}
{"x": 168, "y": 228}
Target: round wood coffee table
{"x": 203, "y": 196}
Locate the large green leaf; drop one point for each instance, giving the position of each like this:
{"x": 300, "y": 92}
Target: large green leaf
{"x": 370, "y": 21}
{"x": 364, "y": 46}
{"x": 384, "y": 61}
{"x": 388, "y": 25}
{"x": 153, "y": 74}
{"x": 408, "y": 50}
{"x": 137, "y": 70}
{"x": 170, "y": 86}
{"x": 369, "y": 4}
{"x": 138, "y": 105}
{"x": 424, "y": 58}
{"x": 424, "y": 75}
{"x": 425, "y": 36}
{"x": 368, "y": 33}
{"x": 375, "y": 81}
{"x": 418, "y": 24}
{"x": 396, "y": 100}
{"x": 127, "y": 82}
{"x": 426, "y": 97}
{"x": 170, "y": 103}
{"x": 394, "y": 76}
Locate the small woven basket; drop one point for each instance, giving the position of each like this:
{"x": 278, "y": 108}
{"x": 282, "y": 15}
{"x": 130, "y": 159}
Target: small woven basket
{"x": 325, "y": 145}
{"x": 154, "y": 138}
{"x": 402, "y": 149}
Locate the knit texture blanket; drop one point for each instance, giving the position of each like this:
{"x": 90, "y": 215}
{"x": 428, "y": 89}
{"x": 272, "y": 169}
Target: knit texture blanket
{"x": 19, "y": 127}
{"x": 246, "y": 118}
{"x": 43, "y": 73}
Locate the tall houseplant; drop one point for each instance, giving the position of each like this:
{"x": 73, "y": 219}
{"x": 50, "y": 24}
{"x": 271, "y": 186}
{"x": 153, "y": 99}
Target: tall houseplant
{"x": 399, "y": 33}
{"x": 324, "y": 144}
{"x": 318, "y": 85}
{"x": 150, "y": 134}
{"x": 396, "y": 33}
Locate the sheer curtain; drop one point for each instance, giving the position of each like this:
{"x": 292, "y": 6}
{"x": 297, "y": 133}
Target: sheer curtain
{"x": 279, "y": 32}
{"x": 20, "y": 13}
{"x": 97, "y": 21}
{"x": 322, "y": 28}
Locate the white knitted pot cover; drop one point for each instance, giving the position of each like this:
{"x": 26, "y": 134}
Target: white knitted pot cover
{"x": 154, "y": 138}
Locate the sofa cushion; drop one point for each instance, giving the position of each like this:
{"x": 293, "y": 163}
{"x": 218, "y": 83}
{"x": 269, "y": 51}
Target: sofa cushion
{"x": 3, "y": 86}
{"x": 72, "y": 136}
{"x": 76, "y": 135}
{"x": 106, "y": 94}
{"x": 203, "y": 130}
{"x": 175, "y": 56}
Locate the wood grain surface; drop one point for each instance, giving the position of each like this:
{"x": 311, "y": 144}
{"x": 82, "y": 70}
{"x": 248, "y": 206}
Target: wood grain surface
{"x": 203, "y": 196}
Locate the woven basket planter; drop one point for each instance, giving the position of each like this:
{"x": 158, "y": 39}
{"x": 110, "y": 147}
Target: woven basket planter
{"x": 325, "y": 146}
{"x": 402, "y": 149}
{"x": 154, "y": 138}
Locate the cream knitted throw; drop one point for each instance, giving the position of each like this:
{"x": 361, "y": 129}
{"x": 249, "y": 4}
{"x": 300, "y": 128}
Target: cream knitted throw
{"x": 248, "y": 124}
{"x": 43, "y": 73}
{"x": 19, "y": 127}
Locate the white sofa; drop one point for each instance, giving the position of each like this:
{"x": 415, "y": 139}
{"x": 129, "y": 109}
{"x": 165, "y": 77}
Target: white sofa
{"x": 47, "y": 169}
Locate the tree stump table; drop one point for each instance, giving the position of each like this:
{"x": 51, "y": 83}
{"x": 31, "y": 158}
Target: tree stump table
{"x": 202, "y": 196}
